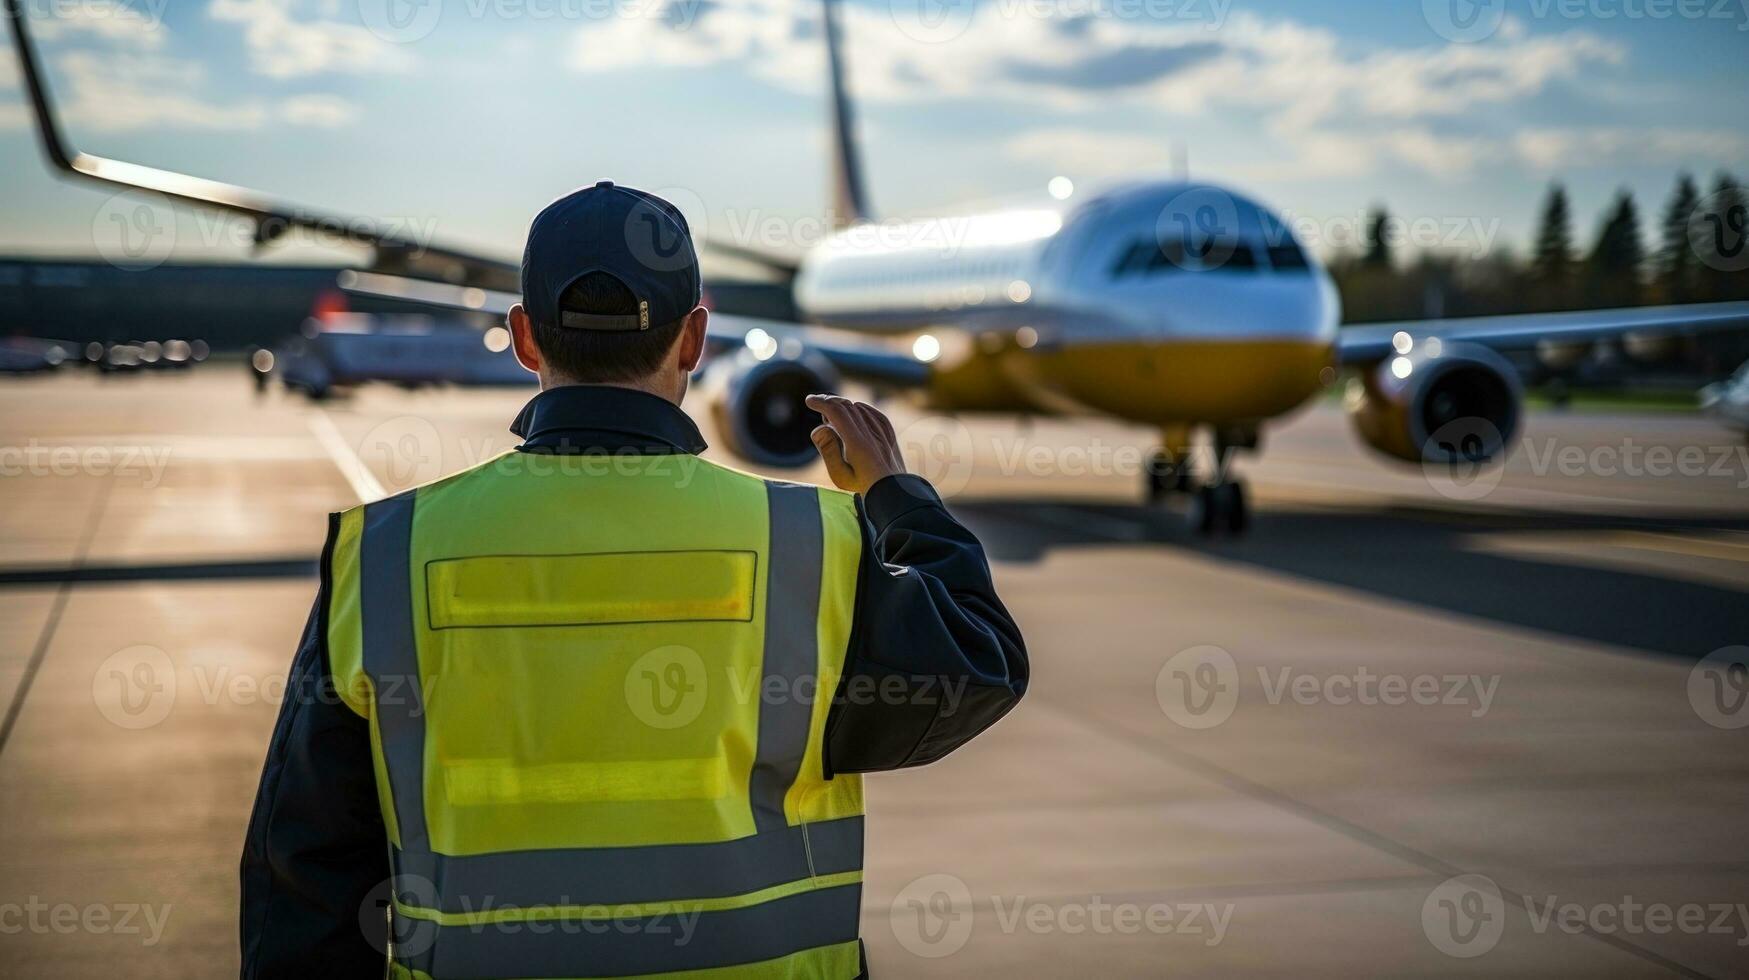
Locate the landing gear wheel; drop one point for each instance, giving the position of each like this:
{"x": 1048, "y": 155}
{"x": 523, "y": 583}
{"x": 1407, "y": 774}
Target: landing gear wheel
{"x": 1203, "y": 516}
{"x": 1165, "y": 477}
{"x": 1219, "y": 507}
{"x": 1235, "y": 514}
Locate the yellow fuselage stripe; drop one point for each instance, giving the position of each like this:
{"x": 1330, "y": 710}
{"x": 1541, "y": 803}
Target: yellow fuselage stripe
{"x": 1155, "y": 381}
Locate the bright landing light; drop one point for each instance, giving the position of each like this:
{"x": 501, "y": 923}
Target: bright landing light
{"x": 497, "y": 340}
{"x": 1061, "y": 188}
{"x": 1403, "y": 342}
{"x": 1402, "y": 367}
{"x": 762, "y": 344}
{"x": 926, "y": 348}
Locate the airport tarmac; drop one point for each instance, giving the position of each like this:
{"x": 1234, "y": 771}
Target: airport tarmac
{"x": 1408, "y": 726}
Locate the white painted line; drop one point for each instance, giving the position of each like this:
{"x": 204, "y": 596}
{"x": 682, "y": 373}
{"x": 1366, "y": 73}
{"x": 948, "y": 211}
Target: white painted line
{"x": 364, "y": 482}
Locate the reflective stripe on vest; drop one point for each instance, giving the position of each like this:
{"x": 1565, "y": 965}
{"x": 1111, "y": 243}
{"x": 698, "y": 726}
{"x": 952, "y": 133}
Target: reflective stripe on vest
{"x": 780, "y": 901}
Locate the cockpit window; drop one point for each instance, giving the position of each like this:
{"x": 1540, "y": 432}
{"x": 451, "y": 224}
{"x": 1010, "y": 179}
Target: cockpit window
{"x": 1288, "y": 257}
{"x": 1226, "y": 255}
{"x": 1146, "y": 257}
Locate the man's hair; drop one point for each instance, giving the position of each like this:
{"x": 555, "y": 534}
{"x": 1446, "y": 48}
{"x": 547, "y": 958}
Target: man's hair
{"x": 597, "y": 356}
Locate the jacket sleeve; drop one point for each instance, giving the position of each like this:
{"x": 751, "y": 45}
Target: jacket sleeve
{"x": 316, "y": 846}
{"x": 934, "y": 656}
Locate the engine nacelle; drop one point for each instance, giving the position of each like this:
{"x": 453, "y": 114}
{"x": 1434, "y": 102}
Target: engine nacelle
{"x": 759, "y": 409}
{"x": 1442, "y": 402}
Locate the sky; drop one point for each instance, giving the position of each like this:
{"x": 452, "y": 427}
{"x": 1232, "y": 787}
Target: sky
{"x": 453, "y": 121}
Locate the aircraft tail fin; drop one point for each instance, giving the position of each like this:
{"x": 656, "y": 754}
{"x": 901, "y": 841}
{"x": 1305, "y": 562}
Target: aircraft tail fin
{"x": 849, "y": 199}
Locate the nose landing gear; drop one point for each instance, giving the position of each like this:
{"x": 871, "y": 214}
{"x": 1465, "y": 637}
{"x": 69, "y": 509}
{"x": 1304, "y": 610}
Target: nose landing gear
{"x": 1219, "y": 506}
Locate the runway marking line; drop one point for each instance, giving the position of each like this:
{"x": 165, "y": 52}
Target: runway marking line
{"x": 363, "y": 482}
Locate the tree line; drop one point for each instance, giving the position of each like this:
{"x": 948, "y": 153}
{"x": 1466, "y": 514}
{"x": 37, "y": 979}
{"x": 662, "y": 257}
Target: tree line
{"x": 1698, "y": 255}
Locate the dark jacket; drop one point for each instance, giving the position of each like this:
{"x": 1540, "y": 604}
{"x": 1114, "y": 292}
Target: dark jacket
{"x": 934, "y": 659}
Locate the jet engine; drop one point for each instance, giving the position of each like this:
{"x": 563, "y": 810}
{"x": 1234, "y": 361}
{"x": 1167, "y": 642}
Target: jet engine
{"x": 1441, "y": 402}
{"x": 757, "y": 404}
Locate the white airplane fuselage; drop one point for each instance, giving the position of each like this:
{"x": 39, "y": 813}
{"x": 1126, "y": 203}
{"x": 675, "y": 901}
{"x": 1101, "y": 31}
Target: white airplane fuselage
{"x": 1166, "y": 303}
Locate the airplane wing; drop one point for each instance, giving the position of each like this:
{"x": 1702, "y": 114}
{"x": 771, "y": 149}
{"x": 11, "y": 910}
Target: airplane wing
{"x": 853, "y": 359}
{"x": 1368, "y": 343}
{"x": 272, "y": 218}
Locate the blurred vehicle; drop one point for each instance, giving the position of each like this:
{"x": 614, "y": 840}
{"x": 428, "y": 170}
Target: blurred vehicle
{"x": 28, "y": 355}
{"x": 1728, "y": 401}
{"x": 341, "y": 350}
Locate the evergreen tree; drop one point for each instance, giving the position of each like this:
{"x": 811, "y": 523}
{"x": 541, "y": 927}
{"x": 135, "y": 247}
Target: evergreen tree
{"x": 1552, "y": 264}
{"x": 1378, "y": 244}
{"x": 1678, "y": 266}
{"x": 1616, "y": 261}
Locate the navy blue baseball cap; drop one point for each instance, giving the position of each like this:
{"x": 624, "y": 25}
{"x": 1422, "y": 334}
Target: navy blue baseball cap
{"x": 634, "y": 236}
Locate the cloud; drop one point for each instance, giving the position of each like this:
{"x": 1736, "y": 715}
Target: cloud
{"x": 1320, "y": 155}
{"x": 1300, "y": 72}
{"x": 281, "y": 44}
{"x": 325, "y": 111}
{"x": 1090, "y": 153}
{"x": 115, "y": 75}
{"x": 120, "y": 92}
{"x": 1557, "y": 148}
{"x": 132, "y": 92}
{"x": 1337, "y": 111}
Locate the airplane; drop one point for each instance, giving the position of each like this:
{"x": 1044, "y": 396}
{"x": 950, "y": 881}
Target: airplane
{"x": 1182, "y": 305}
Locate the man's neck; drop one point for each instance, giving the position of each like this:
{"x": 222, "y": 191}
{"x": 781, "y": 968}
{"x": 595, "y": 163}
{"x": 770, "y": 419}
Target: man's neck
{"x": 647, "y": 386}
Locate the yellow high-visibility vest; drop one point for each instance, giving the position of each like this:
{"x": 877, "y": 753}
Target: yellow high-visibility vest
{"x": 597, "y": 689}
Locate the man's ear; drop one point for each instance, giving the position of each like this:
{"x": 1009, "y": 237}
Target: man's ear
{"x": 690, "y": 346}
{"x": 522, "y": 338}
